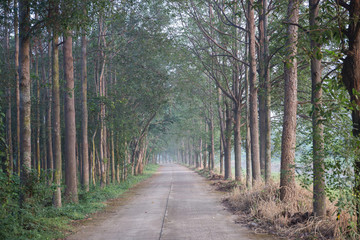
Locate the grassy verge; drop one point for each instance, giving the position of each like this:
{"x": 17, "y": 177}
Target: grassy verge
{"x": 39, "y": 220}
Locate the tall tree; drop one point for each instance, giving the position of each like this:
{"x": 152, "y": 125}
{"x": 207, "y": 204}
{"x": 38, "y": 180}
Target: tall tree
{"x": 254, "y": 122}
{"x": 17, "y": 88}
{"x": 71, "y": 193}
{"x": 319, "y": 202}
{"x": 288, "y": 139}
{"x": 25, "y": 96}
{"x": 84, "y": 110}
{"x": 351, "y": 79}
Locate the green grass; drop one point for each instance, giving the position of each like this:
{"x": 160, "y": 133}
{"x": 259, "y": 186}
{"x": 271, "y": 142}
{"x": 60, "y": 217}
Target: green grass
{"x": 42, "y": 221}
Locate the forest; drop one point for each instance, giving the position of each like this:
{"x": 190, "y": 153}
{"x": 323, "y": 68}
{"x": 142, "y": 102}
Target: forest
{"x": 264, "y": 94}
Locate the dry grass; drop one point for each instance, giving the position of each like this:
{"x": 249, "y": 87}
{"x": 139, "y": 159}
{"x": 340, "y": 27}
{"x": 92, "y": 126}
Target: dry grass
{"x": 260, "y": 208}
{"x": 292, "y": 219}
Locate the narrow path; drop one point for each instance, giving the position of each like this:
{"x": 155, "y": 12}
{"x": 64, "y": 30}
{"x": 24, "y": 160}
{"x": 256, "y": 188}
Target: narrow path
{"x": 176, "y": 204}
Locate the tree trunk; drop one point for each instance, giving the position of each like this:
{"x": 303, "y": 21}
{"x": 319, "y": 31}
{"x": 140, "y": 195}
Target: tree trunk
{"x": 212, "y": 142}
{"x": 17, "y": 89}
{"x": 351, "y": 79}
{"x": 288, "y": 140}
{"x": 9, "y": 164}
{"x": 237, "y": 141}
{"x": 248, "y": 133}
{"x": 56, "y": 121}
{"x": 71, "y": 194}
{"x": 319, "y": 201}
{"x": 228, "y": 128}
{"x": 112, "y": 158}
{"x": 254, "y": 122}
{"x": 25, "y": 97}
{"x": 84, "y": 110}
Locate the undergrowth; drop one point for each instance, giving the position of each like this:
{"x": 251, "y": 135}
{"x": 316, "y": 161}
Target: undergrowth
{"x": 261, "y": 209}
{"x": 38, "y": 219}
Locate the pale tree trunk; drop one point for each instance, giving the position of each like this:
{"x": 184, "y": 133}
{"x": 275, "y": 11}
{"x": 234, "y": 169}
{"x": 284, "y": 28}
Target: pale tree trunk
{"x": 254, "y": 122}
{"x": 84, "y": 115}
{"x": 103, "y": 155}
{"x": 248, "y": 134}
{"x": 49, "y": 139}
{"x": 17, "y": 89}
{"x": 319, "y": 201}
{"x": 212, "y": 141}
{"x": 228, "y": 128}
{"x": 206, "y": 146}
{"x": 264, "y": 95}
{"x": 37, "y": 125}
{"x": 237, "y": 141}
{"x": 25, "y": 97}
{"x": 56, "y": 121}
{"x": 288, "y": 140}
{"x": 222, "y": 131}
{"x": 112, "y": 158}
{"x": 9, "y": 164}
{"x": 200, "y": 152}
{"x": 71, "y": 193}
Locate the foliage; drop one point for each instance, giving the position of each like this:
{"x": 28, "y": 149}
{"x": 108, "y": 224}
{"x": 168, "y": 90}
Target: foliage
{"x": 37, "y": 219}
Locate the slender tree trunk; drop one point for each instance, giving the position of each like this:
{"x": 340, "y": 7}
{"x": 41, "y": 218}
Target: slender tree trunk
{"x": 248, "y": 133}
{"x": 9, "y": 167}
{"x": 222, "y": 131}
{"x": 212, "y": 141}
{"x": 17, "y": 89}
{"x": 25, "y": 97}
{"x": 38, "y": 124}
{"x": 56, "y": 121}
{"x": 112, "y": 158}
{"x": 237, "y": 141}
{"x": 319, "y": 201}
{"x": 229, "y": 119}
{"x": 84, "y": 110}
{"x": 264, "y": 95}
{"x": 254, "y": 122}
{"x": 206, "y": 146}
{"x": 288, "y": 140}
{"x": 71, "y": 193}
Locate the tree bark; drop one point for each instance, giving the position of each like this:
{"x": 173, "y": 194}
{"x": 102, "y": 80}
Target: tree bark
{"x": 319, "y": 199}
{"x": 264, "y": 95}
{"x": 17, "y": 89}
{"x": 71, "y": 193}
{"x": 288, "y": 140}
{"x": 25, "y": 97}
{"x": 254, "y": 122}
{"x": 228, "y": 128}
{"x": 237, "y": 141}
{"x": 351, "y": 79}
{"x": 84, "y": 110}
{"x": 56, "y": 121}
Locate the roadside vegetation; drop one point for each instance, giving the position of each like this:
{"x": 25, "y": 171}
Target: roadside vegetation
{"x": 261, "y": 209}
{"x": 38, "y": 219}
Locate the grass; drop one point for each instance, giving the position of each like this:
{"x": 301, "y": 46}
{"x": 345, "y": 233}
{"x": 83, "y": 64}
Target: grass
{"x": 35, "y": 221}
{"x": 261, "y": 209}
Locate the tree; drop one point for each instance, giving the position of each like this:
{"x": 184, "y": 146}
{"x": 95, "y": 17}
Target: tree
{"x": 351, "y": 79}
{"x": 71, "y": 193}
{"x": 25, "y": 95}
{"x": 288, "y": 139}
{"x": 254, "y": 122}
{"x": 316, "y": 99}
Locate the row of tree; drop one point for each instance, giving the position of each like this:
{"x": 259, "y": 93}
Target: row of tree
{"x": 268, "y": 73}
{"x": 83, "y": 119}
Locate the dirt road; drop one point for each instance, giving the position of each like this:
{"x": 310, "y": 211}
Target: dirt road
{"x": 175, "y": 204}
